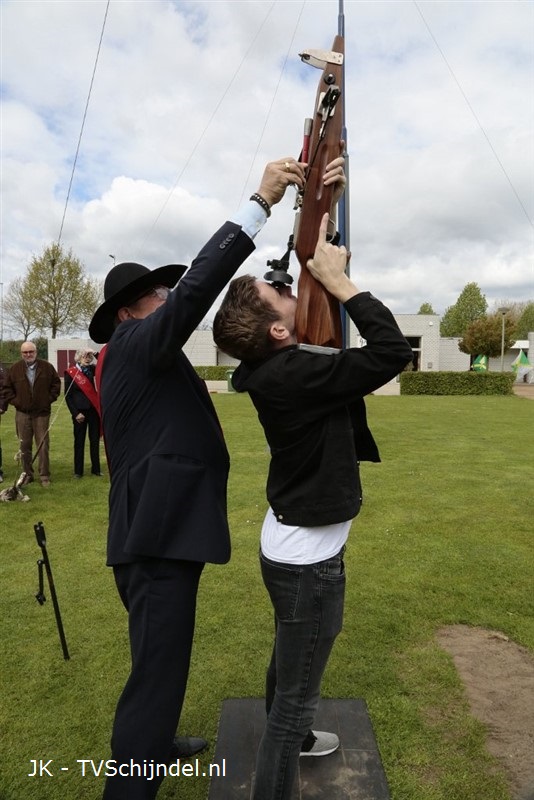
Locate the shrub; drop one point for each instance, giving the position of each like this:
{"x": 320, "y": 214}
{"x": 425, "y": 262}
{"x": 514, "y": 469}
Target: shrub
{"x": 440, "y": 383}
{"x": 213, "y": 373}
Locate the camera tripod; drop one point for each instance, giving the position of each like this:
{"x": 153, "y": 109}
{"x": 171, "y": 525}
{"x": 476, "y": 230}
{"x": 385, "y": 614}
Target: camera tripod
{"x": 43, "y": 565}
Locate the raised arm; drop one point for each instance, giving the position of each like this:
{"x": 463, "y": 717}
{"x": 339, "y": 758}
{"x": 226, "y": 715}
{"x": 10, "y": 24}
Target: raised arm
{"x": 328, "y": 266}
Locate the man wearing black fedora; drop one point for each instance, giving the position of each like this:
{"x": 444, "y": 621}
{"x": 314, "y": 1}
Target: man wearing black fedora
{"x": 169, "y": 466}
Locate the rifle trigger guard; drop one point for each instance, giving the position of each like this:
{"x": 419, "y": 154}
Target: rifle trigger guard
{"x": 331, "y": 231}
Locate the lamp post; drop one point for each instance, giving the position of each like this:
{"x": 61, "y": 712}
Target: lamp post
{"x": 113, "y": 257}
{"x": 503, "y": 311}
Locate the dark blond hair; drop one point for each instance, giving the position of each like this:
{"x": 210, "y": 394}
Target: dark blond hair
{"x": 241, "y": 325}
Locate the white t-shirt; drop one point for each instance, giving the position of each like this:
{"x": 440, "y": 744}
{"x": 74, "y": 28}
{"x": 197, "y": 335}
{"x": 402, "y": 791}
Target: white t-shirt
{"x": 293, "y": 544}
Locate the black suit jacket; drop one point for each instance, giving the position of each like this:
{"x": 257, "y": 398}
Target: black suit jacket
{"x": 168, "y": 459}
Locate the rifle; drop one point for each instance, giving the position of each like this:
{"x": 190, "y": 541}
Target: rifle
{"x": 318, "y": 315}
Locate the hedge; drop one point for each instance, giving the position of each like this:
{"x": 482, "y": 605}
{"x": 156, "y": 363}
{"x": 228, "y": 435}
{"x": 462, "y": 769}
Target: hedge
{"x": 440, "y": 383}
{"x": 213, "y": 373}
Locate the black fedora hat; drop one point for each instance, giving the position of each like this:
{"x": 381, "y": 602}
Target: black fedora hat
{"x": 125, "y": 283}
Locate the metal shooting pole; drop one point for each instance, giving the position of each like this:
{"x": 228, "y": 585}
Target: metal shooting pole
{"x": 344, "y": 202}
{"x": 45, "y": 562}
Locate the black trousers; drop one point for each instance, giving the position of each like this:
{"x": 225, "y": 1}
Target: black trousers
{"x": 160, "y": 597}
{"x": 91, "y": 425}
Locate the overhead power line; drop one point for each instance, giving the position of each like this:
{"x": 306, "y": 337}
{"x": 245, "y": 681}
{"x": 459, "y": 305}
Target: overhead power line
{"x": 210, "y": 120}
{"x": 470, "y": 107}
{"x": 83, "y": 124}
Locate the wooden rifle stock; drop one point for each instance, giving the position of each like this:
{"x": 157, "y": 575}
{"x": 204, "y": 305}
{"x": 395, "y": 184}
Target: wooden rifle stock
{"x": 318, "y": 314}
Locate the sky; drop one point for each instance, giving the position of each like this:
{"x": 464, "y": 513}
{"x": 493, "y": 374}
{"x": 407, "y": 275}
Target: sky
{"x": 190, "y": 100}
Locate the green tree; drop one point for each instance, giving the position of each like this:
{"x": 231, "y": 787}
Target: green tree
{"x": 484, "y": 336}
{"x": 426, "y": 308}
{"x": 470, "y": 306}
{"x": 525, "y": 322}
{"x": 19, "y": 308}
{"x": 62, "y": 297}
{"x": 10, "y": 351}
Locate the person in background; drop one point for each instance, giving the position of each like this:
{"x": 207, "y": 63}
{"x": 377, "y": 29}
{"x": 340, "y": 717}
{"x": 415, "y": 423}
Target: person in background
{"x": 168, "y": 466}
{"x": 83, "y": 404}
{"x": 31, "y": 386}
{"x": 310, "y": 404}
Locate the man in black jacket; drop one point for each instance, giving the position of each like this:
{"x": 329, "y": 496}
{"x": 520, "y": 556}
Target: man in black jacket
{"x": 310, "y": 404}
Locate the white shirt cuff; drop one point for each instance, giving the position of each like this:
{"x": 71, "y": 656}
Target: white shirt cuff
{"x": 251, "y": 217}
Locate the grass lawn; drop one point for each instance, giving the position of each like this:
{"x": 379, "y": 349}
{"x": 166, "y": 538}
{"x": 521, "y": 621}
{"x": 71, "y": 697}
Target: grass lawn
{"x": 445, "y": 536}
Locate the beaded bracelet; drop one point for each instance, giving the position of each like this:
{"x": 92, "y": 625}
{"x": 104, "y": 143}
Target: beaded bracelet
{"x": 262, "y": 202}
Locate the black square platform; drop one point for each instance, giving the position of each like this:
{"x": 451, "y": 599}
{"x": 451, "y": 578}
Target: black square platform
{"x": 353, "y": 772}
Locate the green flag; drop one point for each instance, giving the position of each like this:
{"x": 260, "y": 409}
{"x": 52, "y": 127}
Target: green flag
{"x": 521, "y": 363}
{"x": 480, "y": 364}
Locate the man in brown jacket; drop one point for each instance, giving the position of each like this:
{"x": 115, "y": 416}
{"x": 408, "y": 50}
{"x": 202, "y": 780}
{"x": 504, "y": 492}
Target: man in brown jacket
{"x": 31, "y": 386}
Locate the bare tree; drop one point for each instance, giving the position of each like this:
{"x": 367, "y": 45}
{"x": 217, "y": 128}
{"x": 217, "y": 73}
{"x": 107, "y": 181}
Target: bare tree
{"x": 19, "y": 308}
{"x": 56, "y": 295}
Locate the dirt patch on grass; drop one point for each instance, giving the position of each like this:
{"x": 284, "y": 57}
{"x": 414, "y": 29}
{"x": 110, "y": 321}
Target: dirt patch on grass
{"x": 499, "y": 678}
{"x": 524, "y": 390}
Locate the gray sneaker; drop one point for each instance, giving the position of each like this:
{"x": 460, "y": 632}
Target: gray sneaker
{"x": 324, "y": 743}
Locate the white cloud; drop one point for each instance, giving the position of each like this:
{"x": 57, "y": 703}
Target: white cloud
{"x": 190, "y": 100}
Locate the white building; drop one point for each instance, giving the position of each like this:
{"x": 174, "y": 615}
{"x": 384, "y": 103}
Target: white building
{"x": 431, "y": 352}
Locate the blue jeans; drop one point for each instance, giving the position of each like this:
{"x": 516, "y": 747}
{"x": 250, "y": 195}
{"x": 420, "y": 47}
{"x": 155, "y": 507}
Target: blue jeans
{"x": 308, "y": 605}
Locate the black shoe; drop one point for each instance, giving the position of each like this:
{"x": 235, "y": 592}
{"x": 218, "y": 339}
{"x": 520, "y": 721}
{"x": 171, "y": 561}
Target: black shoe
{"x": 77, "y": 476}
{"x": 98, "y": 474}
{"x": 187, "y": 746}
